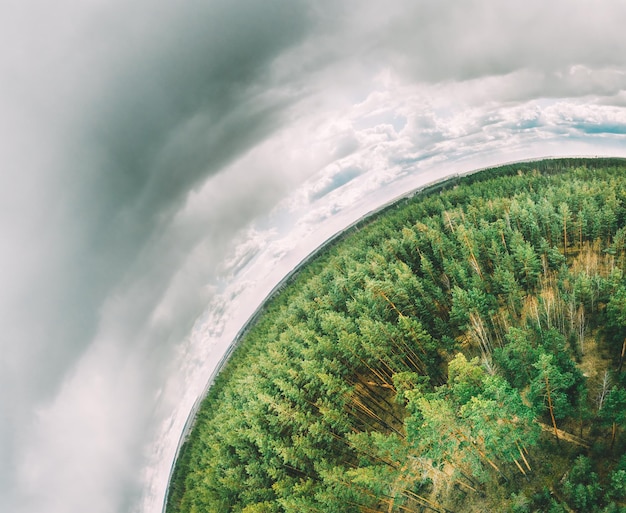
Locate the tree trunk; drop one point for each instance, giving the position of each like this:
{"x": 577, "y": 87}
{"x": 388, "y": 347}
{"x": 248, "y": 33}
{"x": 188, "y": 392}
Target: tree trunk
{"x": 556, "y": 432}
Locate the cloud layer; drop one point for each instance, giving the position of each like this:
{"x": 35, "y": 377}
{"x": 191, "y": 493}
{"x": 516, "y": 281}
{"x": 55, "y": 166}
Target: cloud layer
{"x": 164, "y": 166}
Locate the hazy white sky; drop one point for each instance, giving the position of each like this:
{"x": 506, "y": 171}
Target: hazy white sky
{"x": 164, "y": 165}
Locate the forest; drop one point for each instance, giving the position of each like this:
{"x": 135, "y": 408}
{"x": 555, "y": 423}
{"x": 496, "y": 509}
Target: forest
{"x": 460, "y": 351}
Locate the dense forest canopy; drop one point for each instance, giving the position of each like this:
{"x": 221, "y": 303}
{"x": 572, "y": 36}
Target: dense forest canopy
{"x": 460, "y": 351}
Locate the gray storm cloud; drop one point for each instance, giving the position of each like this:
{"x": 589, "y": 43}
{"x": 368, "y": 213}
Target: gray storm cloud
{"x": 142, "y": 146}
{"x": 122, "y": 116}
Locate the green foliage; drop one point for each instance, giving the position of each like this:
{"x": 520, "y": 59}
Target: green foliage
{"x": 616, "y": 314}
{"x": 582, "y": 488}
{"x": 409, "y": 364}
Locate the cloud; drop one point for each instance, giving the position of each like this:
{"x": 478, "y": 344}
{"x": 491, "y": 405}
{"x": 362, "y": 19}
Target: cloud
{"x": 433, "y": 42}
{"x": 167, "y": 163}
{"x": 112, "y": 116}
{"x": 119, "y": 114}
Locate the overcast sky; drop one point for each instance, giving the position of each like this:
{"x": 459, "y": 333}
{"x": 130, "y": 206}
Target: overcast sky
{"x": 164, "y": 165}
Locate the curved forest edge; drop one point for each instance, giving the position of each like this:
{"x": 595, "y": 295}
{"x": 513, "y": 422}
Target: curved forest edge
{"x": 461, "y": 350}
